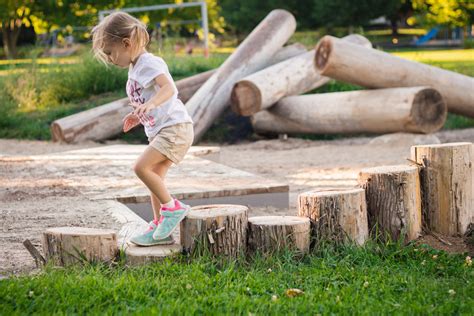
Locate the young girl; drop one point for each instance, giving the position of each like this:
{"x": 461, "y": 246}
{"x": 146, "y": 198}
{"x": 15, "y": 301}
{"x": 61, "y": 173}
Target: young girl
{"x": 120, "y": 39}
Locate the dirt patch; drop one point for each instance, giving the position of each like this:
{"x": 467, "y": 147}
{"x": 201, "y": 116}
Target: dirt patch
{"x": 37, "y": 203}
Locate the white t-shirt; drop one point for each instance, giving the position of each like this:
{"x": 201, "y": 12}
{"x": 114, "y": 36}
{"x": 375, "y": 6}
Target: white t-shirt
{"x": 141, "y": 87}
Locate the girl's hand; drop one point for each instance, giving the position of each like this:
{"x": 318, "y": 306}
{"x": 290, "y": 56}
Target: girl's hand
{"x": 130, "y": 121}
{"x": 142, "y": 109}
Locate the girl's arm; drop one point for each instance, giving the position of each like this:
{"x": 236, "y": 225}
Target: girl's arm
{"x": 164, "y": 94}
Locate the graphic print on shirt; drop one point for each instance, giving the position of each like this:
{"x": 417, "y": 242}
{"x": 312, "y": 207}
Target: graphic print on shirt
{"x": 135, "y": 96}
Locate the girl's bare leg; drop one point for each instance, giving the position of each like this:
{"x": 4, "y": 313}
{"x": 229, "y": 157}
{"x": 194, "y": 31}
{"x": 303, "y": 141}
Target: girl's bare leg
{"x": 161, "y": 169}
{"x": 145, "y": 167}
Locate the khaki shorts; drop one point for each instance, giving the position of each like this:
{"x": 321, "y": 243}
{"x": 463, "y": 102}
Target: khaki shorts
{"x": 173, "y": 141}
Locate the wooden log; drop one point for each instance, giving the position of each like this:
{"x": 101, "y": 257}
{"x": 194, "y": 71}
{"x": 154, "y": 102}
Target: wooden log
{"x": 293, "y": 76}
{"x": 270, "y": 234}
{"x": 210, "y": 101}
{"x": 393, "y": 201}
{"x": 69, "y": 245}
{"x": 219, "y": 229}
{"x": 446, "y": 177}
{"x": 105, "y": 121}
{"x": 336, "y": 215}
{"x": 416, "y": 109}
{"x": 371, "y": 68}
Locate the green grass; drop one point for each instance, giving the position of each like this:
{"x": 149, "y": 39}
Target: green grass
{"x": 377, "y": 279}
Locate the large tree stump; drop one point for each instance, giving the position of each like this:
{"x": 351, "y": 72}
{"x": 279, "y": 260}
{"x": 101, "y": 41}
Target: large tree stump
{"x": 293, "y": 76}
{"x": 219, "y": 229}
{"x": 69, "y": 245}
{"x": 210, "y": 101}
{"x": 336, "y": 215}
{"x": 417, "y": 109}
{"x": 393, "y": 201}
{"x": 446, "y": 177}
{"x": 105, "y": 121}
{"x": 270, "y": 234}
{"x": 371, "y": 68}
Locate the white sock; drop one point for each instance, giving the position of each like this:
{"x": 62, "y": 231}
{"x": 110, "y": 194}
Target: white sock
{"x": 170, "y": 204}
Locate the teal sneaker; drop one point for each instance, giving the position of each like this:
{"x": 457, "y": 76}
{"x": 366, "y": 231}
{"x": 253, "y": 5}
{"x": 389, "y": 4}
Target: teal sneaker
{"x": 146, "y": 238}
{"x": 170, "y": 219}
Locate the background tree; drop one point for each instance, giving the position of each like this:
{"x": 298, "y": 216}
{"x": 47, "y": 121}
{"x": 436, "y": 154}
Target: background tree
{"x": 351, "y": 13}
{"x": 242, "y": 16}
{"x": 444, "y": 12}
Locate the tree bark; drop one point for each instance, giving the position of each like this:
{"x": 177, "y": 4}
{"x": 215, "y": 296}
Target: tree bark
{"x": 293, "y": 76}
{"x": 337, "y": 216}
{"x": 210, "y": 101}
{"x": 215, "y": 229}
{"x": 417, "y": 109}
{"x": 270, "y": 234}
{"x": 351, "y": 63}
{"x": 446, "y": 186}
{"x": 65, "y": 246}
{"x": 10, "y": 38}
{"x": 105, "y": 121}
{"x": 393, "y": 201}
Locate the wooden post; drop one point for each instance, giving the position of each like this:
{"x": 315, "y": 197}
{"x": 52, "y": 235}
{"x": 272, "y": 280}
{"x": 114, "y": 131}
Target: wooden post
{"x": 213, "y": 97}
{"x": 336, "y": 215}
{"x": 215, "y": 229}
{"x": 69, "y": 245}
{"x": 393, "y": 200}
{"x": 417, "y": 109}
{"x": 446, "y": 177}
{"x": 105, "y": 121}
{"x": 270, "y": 234}
{"x": 371, "y": 68}
{"x": 293, "y": 76}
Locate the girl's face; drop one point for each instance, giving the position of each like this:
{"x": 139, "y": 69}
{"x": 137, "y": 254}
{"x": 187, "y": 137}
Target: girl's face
{"x": 119, "y": 53}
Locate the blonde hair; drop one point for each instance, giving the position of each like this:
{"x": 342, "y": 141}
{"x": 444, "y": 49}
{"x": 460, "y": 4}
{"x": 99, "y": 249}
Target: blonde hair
{"x": 113, "y": 29}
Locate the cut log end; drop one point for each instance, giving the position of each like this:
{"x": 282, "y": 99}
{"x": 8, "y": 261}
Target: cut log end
{"x": 56, "y": 133}
{"x": 429, "y": 111}
{"x": 323, "y": 51}
{"x": 246, "y": 98}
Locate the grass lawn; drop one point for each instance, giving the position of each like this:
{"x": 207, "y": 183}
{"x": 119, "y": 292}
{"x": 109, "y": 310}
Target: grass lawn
{"x": 377, "y": 279}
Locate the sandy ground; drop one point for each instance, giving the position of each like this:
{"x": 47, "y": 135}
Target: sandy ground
{"x": 304, "y": 164}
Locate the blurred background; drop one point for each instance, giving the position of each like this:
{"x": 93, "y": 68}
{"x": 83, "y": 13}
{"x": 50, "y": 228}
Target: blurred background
{"x": 47, "y": 70}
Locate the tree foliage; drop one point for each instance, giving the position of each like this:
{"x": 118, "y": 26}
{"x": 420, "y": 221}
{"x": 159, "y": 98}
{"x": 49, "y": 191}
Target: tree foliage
{"x": 444, "y": 12}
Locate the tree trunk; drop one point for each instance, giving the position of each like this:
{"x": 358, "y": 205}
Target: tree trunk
{"x": 351, "y": 63}
{"x": 208, "y": 103}
{"x": 215, "y": 229}
{"x": 10, "y": 38}
{"x": 446, "y": 186}
{"x": 65, "y": 246}
{"x": 417, "y": 109}
{"x": 393, "y": 201}
{"x": 105, "y": 121}
{"x": 293, "y": 76}
{"x": 336, "y": 215}
{"x": 269, "y": 234}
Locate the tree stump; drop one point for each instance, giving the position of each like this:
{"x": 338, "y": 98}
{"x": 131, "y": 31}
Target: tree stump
{"x": 270, "y": 234}
{"x": 65, "y": 246}
{"x": 446, "y": 178}
{"x": 336, "y": 215}
{"x": 219, "y": 229}
{"x": 393, "y": 200}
